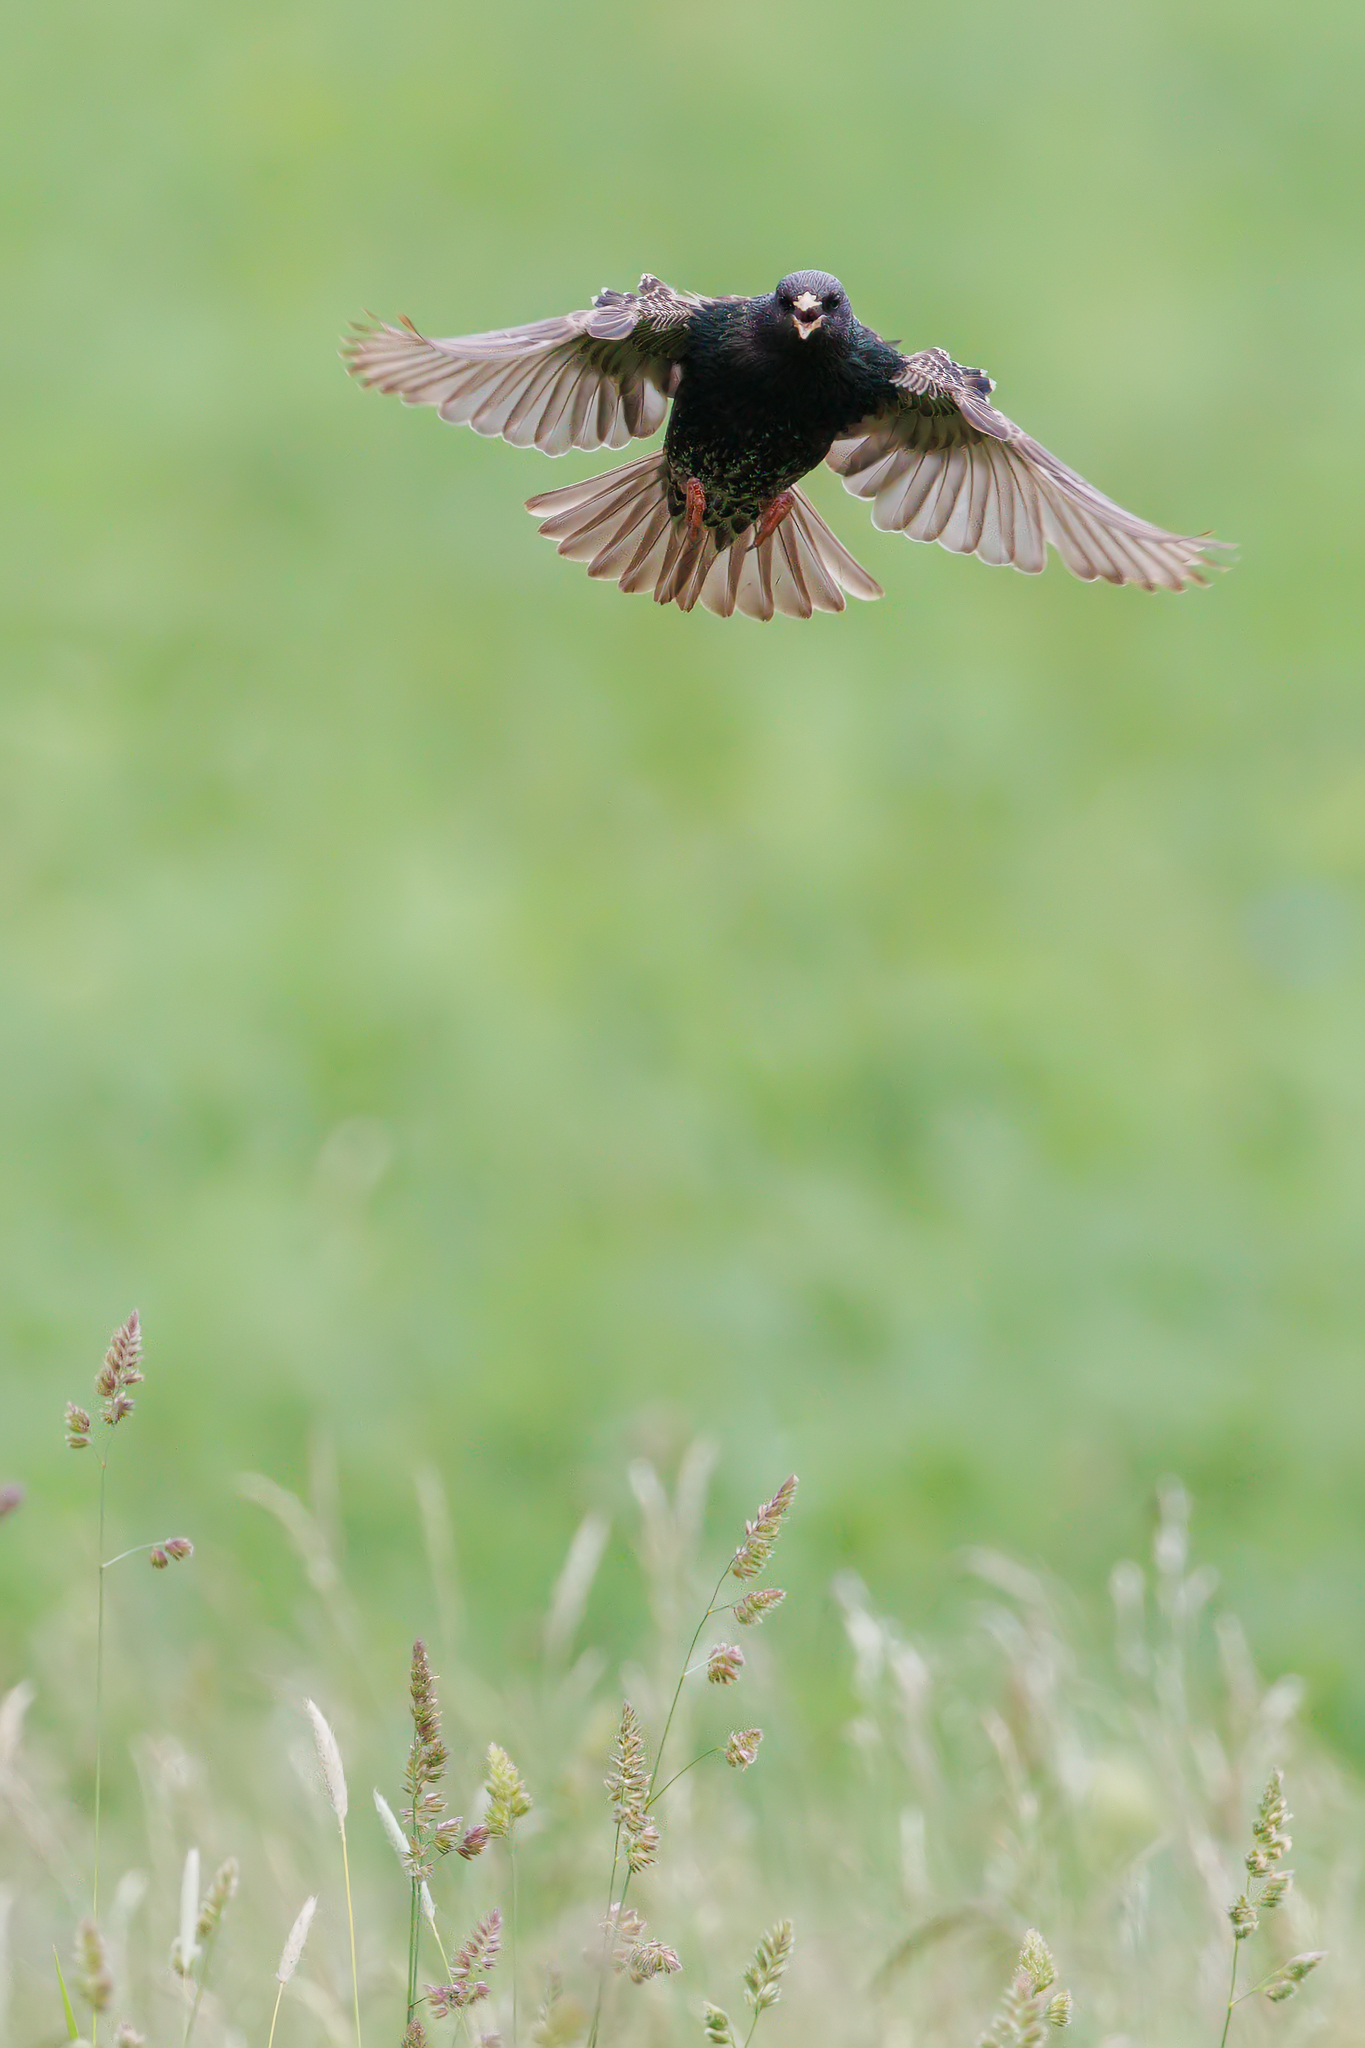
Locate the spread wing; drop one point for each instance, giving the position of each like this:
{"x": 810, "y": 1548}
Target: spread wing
{"x": 586, "y": 380}
{"x": 940, "y": 463}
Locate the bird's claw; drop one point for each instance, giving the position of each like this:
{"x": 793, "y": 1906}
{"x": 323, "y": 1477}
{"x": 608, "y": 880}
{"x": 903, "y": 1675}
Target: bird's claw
{"x": 773, "y": 515}
{"x": 696, "y": 505}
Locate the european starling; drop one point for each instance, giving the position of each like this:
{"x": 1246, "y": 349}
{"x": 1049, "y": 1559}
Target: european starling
{"x": 762, "y": 390}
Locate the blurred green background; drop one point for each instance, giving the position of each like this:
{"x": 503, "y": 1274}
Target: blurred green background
{"x": 486, "y": 1020}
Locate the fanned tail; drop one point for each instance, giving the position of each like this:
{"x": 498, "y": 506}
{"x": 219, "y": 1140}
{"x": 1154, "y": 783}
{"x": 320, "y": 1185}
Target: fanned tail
{"x": 620, "y": 525}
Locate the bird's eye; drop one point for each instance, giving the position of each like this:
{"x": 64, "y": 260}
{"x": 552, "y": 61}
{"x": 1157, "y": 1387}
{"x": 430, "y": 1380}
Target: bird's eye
{"x": 830, "y": 302}
{"x": 785, "y": 300}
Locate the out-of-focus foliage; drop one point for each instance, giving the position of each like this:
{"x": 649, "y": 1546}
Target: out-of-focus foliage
{"x": 469, "y": 1007}
{"x": 1004, "y": 1770}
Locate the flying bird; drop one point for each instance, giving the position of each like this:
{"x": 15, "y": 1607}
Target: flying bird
{"x": 761, "y": 391}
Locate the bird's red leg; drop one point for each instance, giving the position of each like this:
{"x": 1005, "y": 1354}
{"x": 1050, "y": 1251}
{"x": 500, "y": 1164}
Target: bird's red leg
{"x": 773, "y": 515}
{"x": 696, "y": 505}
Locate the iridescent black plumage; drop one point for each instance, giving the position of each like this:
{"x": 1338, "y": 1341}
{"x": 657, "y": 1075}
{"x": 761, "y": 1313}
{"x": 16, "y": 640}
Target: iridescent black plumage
{"x": 762, "y": 390}
{"x": 759, "y": 407}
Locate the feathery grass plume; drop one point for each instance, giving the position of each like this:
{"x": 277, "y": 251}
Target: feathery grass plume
{"x": 724, "y": 1664}
{"x": 742, "y": 1748}
{"x": 763, "y": 1978}
{"x": 128, "y": 2036}
{"x": 398, "y": 1840}
{"x": 93, "y": 1977}
{"x": 289, "y": 1959}
{"x": 717, "y": 2027}
{"x": 1265, "y": 1889}
{"x": 329, "y": 1761}
{"x": 292, "y": 1952}
{"x": 185, "y": 1947}
{"x": 508, "y": 1798}
{"x": 334, "y": 1784}
{"x": 478, "y": 1954}
{"x": 762, "y": 1533}
{"x": 751, "y": 1608}
{"x": 1025, "y": 2012}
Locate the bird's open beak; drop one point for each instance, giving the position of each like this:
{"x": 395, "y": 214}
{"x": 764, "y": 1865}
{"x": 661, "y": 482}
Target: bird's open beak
{"x": 807, "y": 314}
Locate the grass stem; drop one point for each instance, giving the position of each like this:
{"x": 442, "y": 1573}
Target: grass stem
{"x": 350, "y": 1919}
{"x": 1232, "y": 1989}
{"x": 99, "y": 1730}
{"x": 512, "y": 1859}
{"x": 657, "y": 1796}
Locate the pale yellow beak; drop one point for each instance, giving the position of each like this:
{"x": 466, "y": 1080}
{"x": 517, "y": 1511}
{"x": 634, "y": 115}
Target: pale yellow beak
{"x": 807, "y": 312}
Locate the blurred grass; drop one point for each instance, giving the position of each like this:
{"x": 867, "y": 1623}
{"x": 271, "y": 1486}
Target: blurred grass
{"x": 474, "y": 1012}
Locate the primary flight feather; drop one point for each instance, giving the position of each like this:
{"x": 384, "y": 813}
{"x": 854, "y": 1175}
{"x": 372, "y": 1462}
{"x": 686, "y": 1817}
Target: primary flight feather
{"x": 761, "y": 391}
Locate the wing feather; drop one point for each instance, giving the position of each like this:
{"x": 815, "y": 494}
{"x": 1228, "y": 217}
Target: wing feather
{"x": 592, "y": 379}
{"x": 940, "y": 463}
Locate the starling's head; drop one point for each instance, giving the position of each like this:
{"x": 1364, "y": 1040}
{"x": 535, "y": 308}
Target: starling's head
{"x": 811, "y": 300}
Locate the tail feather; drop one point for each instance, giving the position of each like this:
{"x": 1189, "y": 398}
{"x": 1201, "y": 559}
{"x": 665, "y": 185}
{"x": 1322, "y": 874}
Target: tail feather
{"x": 620, "y": 525}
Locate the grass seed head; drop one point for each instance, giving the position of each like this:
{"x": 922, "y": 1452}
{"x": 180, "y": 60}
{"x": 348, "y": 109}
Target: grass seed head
{"x": 652, "y": 1959}
{"x": 742, "y": 1748}
{"x": 1243, "y": 1916}
{"x": 329, "y": 1761}
{"x": 426, "y": 1765}
{"x": 724, "y": 1664}
{"x": 77, "y": 1427}
{"x": 474, "y": 1842}
{"x": 128, "y": 2036}
{"x": 1290, "y": 1975}
{"x": 94, "y": 1978}
{"x": 642, "y": 1847}
{"x": 1035, "y": 1959}
{"x": 121, "y": 1370}
{"x": 762, "y": 1533}
{"x": 763, "y": 1978}
{"x": 561, "y": 2020}
{"x": 477, "y": 1954}
{"x": 298, "y": 1934}
{"x": 216, "y": 1899}
{"x": 508, "y": 1798}
{"x": 752, "y": 1608}
{"x": 185, "y": 1947}
{"x": 718, "y": 2029}
{"x": 414, "y": 2035}
{"x": 627, "y": 1779}
{"x": 173, "y": 1551}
